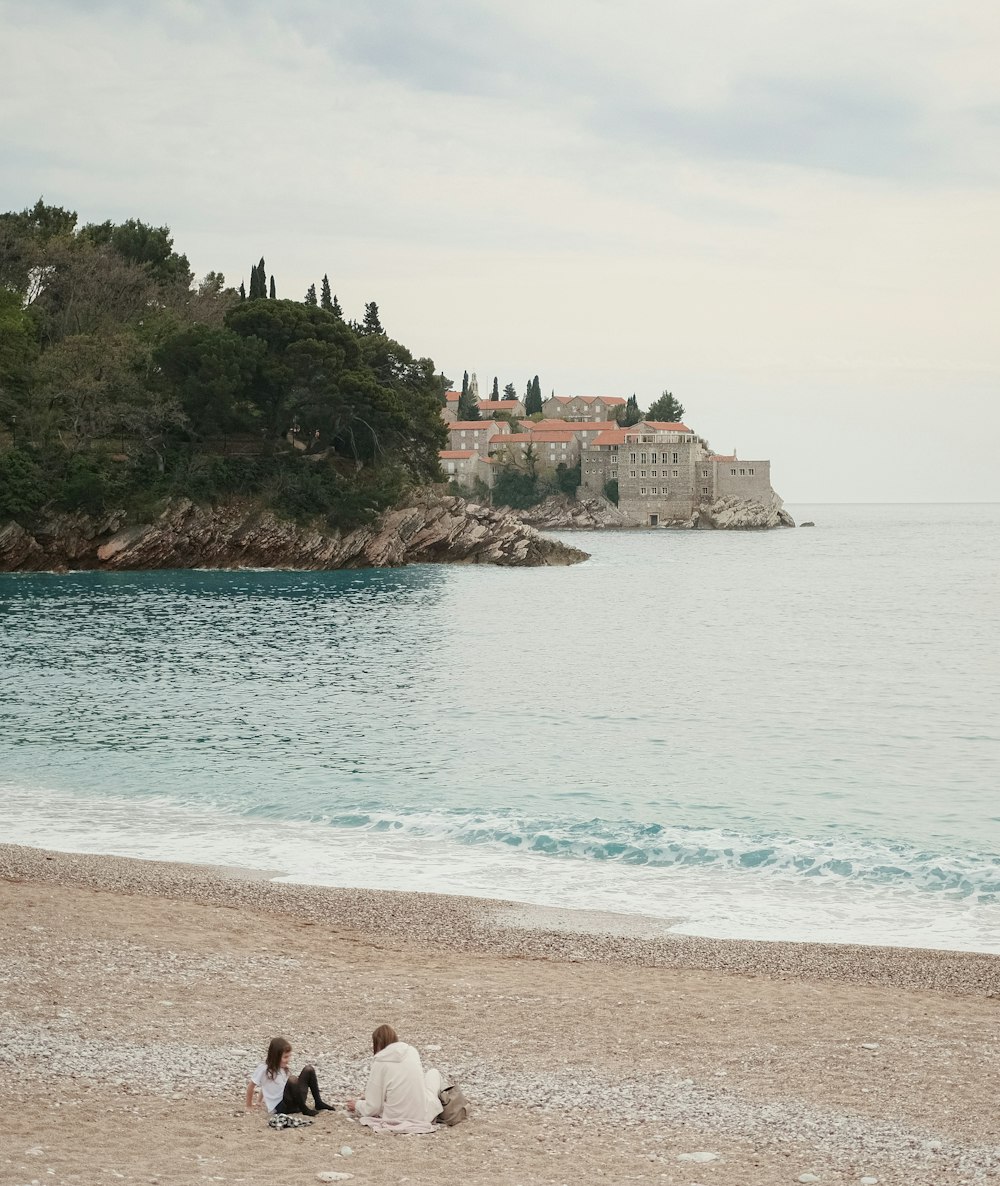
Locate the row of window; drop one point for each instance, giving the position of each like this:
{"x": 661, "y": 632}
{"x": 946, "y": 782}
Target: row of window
{"x": 674, "y": 473}
{"x": 651, "y": 458}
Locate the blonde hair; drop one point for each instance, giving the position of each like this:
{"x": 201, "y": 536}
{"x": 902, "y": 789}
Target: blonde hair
{"x": 384, "y": 1036}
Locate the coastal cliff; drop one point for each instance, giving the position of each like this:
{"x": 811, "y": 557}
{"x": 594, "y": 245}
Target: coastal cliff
{"x": 429, "y": 529}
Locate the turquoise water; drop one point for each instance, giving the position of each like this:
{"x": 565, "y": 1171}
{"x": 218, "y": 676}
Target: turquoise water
{"x": 789, "y": 734}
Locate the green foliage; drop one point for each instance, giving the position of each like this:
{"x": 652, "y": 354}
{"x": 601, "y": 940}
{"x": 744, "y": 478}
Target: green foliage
{"x": 495, "y": 393}
{"x": 514, "y": 487}
{"x": 629, "y": 414}
{"x": 23, "y": 486}
{"x": 666, "y": 409}
{"x": 611, "y": 490}
{"x": 121, "y": 385}
{"x": 510, "y": 391}
{"x": 533, "y": 398}
{"x": 568, "y": 478}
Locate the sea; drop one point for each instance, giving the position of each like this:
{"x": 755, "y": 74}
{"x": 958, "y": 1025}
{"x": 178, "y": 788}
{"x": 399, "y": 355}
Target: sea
{"x": 789, "y": 735}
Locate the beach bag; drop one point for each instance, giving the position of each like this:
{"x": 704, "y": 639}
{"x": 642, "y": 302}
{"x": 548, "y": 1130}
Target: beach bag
{"x": 454, "y": 1106}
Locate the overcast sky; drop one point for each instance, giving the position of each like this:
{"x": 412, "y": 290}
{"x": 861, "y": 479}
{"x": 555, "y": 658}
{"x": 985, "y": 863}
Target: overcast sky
{"x": 787, "y": 213}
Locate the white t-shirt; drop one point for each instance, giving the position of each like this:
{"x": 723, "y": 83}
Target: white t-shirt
{"x": 271, "y": 1089}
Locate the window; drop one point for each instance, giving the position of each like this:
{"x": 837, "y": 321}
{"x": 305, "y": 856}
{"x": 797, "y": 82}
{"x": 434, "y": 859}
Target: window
{"x": 743, "y": 473}
{"x": 733, "y": 472}
{"x": 564, "y": 444}
{"x": 642, "y": 489}
{"x": 643, "y": 459}
{"x": 673, "y": 473}
{"x": 704, "y": 473}
{"x": 704, "y": 489}
{"x": 631, "y": 473}
{"x": 652, "y": 473}
{"x": 642, "y": 473}
{"x": 652, "y": 458}
{"x": 654, "y": 490}
{"x": 676, "y": 458}
{"x": 750, "y": 471}
{"x": 451, "y": 467}
{"x": 631, "y": 456}
{"x": 614, "y": 448}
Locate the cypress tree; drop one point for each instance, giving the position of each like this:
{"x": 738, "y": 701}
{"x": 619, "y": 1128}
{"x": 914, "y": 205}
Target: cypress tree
{"x": 243, "y": 291}
{"x": 325, "y": 300}
{"x": 533, "y": 398}
{"x": 496, "y": 389}
{"x": 311, "y": 295}
{"x": 272, "y": 293}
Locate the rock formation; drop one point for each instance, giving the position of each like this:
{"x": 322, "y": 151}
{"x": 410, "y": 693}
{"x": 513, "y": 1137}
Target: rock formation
{"x": 430, "y": 529}
{"x": 559, "y": 513}
{"x": 744, "y": 514}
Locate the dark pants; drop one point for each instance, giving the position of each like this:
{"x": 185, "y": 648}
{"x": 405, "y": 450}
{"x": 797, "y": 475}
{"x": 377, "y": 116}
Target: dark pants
{"x": 296, "y": 1097}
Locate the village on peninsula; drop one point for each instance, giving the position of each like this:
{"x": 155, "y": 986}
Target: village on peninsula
{"x": 652, "y": 473}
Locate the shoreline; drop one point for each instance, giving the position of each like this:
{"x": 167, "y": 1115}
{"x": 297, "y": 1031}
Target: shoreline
{"x": 142, "y": 993}
{"x": 501, "y": 927}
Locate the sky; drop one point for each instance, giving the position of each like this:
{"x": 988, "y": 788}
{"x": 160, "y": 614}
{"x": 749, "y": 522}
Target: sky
{"x": 786, "y": 213}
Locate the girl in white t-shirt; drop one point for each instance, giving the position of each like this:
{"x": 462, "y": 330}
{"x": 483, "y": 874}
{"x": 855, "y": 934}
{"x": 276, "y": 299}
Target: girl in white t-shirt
{"x": 281, "y": 1092}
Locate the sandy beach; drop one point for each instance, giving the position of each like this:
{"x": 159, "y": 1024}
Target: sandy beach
{"x": 137, "y": 996}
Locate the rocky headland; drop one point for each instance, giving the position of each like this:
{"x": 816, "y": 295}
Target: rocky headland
{"x": 430, "y": 529}
{"x": 559, "y": 513}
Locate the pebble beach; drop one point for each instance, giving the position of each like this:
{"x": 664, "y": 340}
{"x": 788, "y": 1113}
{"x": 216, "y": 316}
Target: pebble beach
{"x": 137, "y": 996}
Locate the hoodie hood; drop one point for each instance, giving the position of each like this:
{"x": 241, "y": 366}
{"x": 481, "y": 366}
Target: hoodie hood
{"x": 396, "y": 1052}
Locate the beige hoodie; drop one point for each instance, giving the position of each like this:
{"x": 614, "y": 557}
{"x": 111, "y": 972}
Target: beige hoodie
{"x": 397, "y": 1089}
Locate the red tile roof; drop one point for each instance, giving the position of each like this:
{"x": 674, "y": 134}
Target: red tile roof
{"x": 610, "y": 436}
{"x": 452, "y": 396}
{"x": 722, "y": 457}
{"x": 666, "y": 426}
{"x": 499, "y": 405}
{"x": 532, "y": 438}
{"x": 476, "y": 424}
{"x": 447, "y": 454}
{"x": 566, "y": 425}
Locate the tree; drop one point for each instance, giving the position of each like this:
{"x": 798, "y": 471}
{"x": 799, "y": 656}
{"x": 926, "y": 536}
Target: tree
{"x": 667, "y": 409}
{"x": 243, "y": 291}
{"x": 611, "y": 491}
{"x": 495, "y": 394}
{"x": 273, "y": 295}
{"x": 258, "y": 281}
{"x": 533, "y": 399}
{"x": 336, "y": 309}
{"x": 150, "y": 247}
{"x": 371, "y": 323}
{"x": 311, "y": 295}
{"x": 325, "y": 300}
{"x": 468, "y": 405}
{"x": 510, "y": 391}
{"x": 629, "y": 414}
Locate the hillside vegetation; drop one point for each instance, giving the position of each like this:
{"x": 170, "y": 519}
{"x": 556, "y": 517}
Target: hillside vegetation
{"x": 122, "y": 383}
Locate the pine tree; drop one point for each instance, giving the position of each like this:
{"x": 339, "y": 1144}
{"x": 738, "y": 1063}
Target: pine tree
{"x": 666, "y": 408}
{"x": 371, "y": 323}
{"x": 336, "y": 309}
{"x": 510, "y": 391}
{"x": 311, "y": 295}
{"x": 496, "y": 389}
{"x": 325, "y": 300}
{"x": 273, "y": 294}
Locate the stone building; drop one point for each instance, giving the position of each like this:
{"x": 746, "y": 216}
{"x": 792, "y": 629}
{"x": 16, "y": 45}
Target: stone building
{"x": 475, "y": 434}
{"x": 550, "y": 448}
{"x": 665, "y": 472}
{"x": 464, "y": 466}
{"x": 489, "y": 407}
{"x": 582, "y": 407}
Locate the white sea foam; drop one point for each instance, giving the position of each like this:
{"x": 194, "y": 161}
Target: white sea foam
{"x": 723, "y": 901}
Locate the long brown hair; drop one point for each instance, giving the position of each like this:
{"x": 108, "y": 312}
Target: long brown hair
{"x": 384, "y": 1036}
{"x": 275, "y": 1050}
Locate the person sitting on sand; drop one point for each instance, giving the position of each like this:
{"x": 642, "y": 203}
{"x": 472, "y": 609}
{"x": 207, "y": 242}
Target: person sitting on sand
{"x": 282, "y": 1093}
{"x": 401, "y": 1096}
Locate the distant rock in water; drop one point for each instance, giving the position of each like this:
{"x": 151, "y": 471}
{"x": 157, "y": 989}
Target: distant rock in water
{"x": 430, "y": 529}
{"x": 807, "y": 523}
{"x": 559, "y": 513}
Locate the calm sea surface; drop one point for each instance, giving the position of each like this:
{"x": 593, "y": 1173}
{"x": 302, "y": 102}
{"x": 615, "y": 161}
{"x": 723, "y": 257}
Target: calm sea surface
{"x": 792, "y": 734}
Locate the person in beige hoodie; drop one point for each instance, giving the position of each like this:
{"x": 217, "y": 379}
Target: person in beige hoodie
{"x": 401, "y": 1096}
